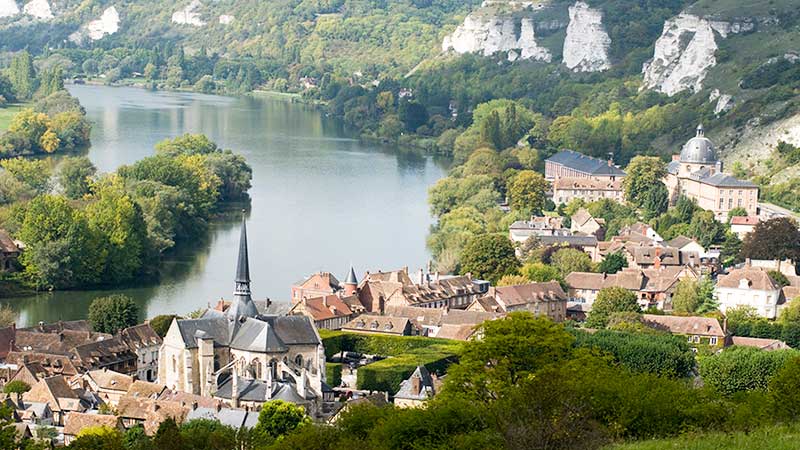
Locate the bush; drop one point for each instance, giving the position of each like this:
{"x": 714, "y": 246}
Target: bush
{"x": 742, "y": 369}
{"x": 333, "y": 373}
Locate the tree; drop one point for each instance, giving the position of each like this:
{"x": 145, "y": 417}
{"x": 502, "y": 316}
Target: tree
{"x": 7, "y": 316}
{"x": 113, "y": 313}
{"x": 783, "y": 390}
{"x": 512, "y": 280}
{"x": 168, "y": 437}
{"x": 202, "y": 434}
{"x": 22, "y": 75}
{"x": 278, "y": 418}
{"x": 568, "y": 260}
{"x": 489, "y": 257}
{"x": 655, "y": 200}
{"x": 642, "y": 174}
{"x": 391, "y": 127}
{"x": 539, "y": 272}
{"x": 97, "y": 438}
{"x": 483, "y": 161}
{"x": 776, "y": 238}
{"x": 17, "y": 388}
{"x": 706, "y": 229}
{"x": 612, "y": 263}
{"x": 731, "y": 249}
{"x": 74, "y": 176}
{"x": 686, "y": 298}
{"x": 527, "y": 191}
{"x": 510, "y": 350}
{"x": 779, "y": 278}
{"x": 160, "y": 324}
{"x": 610, "y": 300}
{"x": 34, "y": 173}
{"x": 136, "y": 439}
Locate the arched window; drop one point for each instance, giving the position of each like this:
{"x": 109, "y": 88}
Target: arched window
{"x": 298, "y": 360}
{"x": 255, "y": 368}
{"x": 273, "y": 367}
{"x": 174, "y": 364}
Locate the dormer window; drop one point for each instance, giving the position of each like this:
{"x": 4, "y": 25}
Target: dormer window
{"x": 374, "y": 325}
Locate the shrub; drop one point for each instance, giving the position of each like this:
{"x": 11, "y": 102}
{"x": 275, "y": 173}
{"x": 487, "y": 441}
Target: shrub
{"x": 333, "y": 373}
{"x": 742, "y": 369}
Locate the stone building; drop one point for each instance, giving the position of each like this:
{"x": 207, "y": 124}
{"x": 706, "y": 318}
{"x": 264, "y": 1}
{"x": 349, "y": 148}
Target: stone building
{"x": 143, "y": 341}
{"x": 329, "y": 312}
{"x": 228, "y": 354}
{"x": 589, "y": 190}
{"x": 697, "y": 174}
{"x": 538, "y": 226}
{"x": 541, "y": 299}
{"x": 748, "y": 286}
{"x": 571, "y": 164}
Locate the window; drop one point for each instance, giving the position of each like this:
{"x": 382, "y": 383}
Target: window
{"x": 696, "y": 339}
{"x": 739, "y": 202}
{"x": 299, "y": 360}
{"x": 713, "y": 340}
{"x": 721, "y": 203}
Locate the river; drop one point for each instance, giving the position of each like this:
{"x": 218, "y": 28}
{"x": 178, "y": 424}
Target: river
{"x": 320, "y": 200}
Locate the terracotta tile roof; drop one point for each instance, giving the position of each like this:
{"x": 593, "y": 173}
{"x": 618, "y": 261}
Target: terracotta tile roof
{"x": 110, "y": 380}
{"x": 486, "y": 303}
{"x": 140, "y": 336}
{"x": 58, "y": 342}
{"x": 144, "y": 389}
{"x": 438, "y": 317}
{"x": 701, "y": 326}
{"x": 669, "y": 256}
{"x": 151, "y": 412}
{"x": 745, "y": 220}
{"x": 103, "y": 353}
{"x": 7, "y": 244}
{"x": 74, "y": 422}
{"x": 763, "y": 344}
{"x": 30, "y": 373}
{"x": 56, "y": 392}
{"x": 54, "y": 364}
{"x": 378, "y": 324}
{"x": 456, "y": 332}
{"x": 323, "y": 308}
{"x": 757, "y": 279}
{"x": 55, "y": 327}
{"x": 524, "y": 294}
{"x": 646, "y": 280}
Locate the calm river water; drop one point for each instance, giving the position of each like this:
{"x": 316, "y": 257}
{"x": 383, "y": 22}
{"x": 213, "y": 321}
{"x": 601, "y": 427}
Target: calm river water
{"x": 320, "y": 199}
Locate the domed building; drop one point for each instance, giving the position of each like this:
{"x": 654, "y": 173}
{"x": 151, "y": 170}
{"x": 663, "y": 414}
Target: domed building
{"x": 697, "y": 173}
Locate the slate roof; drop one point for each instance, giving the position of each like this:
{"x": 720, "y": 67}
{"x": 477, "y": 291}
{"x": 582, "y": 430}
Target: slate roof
{"x": 215, "y": 327}
{"x": 256, "y": 336}
{"x": 580, "y": 241}
{"x": 426, "y": 391}
{"x": 722, "y": 180}
{"x": 680, "y": 242}
{"x": 234, "y": 418}
{"x": 351, "y": 277}
{"x": 763, "y": 344}
{"x": 587, "y": 183}
{"x": 257, "y": 391}
{"x": 585, "y": 164}
{"x": 104, "y": 353}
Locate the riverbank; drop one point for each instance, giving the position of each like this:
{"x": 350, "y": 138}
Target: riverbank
{"x": 7, "y": 113}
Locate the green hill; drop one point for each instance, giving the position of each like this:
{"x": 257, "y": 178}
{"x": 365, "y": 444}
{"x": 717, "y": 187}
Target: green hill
{"x": 773, "y": 438}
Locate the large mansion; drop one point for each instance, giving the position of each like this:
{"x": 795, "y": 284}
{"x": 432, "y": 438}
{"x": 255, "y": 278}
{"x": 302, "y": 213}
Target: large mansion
{"x": 575, "y": 175}
{"x": 697, "y": 174}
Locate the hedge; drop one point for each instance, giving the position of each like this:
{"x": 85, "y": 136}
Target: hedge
{"x": 665, "y": 355}
{"x": 404, "y": 354}
{"x": 762, "y": 328}
{"x": 333, "y": 374}
{"x": 740, "y": 369}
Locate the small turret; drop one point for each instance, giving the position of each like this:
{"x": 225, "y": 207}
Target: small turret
{"x": 351, "y": 283}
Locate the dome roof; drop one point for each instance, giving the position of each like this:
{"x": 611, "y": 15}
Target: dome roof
{"x": 698, "y": 149}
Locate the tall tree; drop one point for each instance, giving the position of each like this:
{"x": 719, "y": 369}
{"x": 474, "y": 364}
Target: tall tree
{"x": 489, "y": 257}
{"x": 113, "y": 313}
{"x": 22, "y": 75}
{"x": 777, "y": 238}
{"x": 527, "y": 191}
{"x": 643, "y": 173}
{"x": 611, "y": 300}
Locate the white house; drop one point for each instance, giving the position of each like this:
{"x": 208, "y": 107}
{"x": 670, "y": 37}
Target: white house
{"x": 748, "y": 286}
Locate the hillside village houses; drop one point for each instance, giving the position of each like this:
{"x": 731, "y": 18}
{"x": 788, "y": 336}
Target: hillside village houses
{"x": 749, "y": 286}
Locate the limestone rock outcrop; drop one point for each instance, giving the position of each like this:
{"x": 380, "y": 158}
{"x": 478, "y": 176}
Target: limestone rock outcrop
{"x": 488, "y": 34}
{"x": 586, "y": 44}
{"x": 685, "y": 52}
{"x": 39, "y": 9}
{"x": 189, "y": 15}
{"x": 8, "y": 8}
{"x": 107, "y": 24}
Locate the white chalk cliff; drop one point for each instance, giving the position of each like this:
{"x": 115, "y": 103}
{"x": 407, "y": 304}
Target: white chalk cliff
{"x": 586, "y": 44}
{"x": 685, "y": 52}
{"x": 189, "y": 15}
{"x": 8, "y": 8}
{"x": 39, "y": 9}
{"x": 108, "y": 23}
{"x": 226, "y": 19}
{"x": 488, "y": 35}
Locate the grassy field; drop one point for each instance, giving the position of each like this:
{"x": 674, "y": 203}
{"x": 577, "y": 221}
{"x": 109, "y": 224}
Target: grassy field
{"x": 771, "y": 438}
{"x": 7, "y": 113}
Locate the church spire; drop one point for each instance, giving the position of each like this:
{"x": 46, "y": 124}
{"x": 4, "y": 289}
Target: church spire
{"x": 242, "y": 304}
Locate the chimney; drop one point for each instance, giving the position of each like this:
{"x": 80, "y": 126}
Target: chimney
{"x": 194, "y": 406}
{"x": 416, "y": 385}
{"x": 41, "y": 326}
{"x": 219, "y": 406}
{"x": 437, "y": 276}
{"x": 748, "y": 263}
{"x": 657, "y": 259}
{"x": 325, "y": 301}
{"x": 469, "y": 275}
{"x": 430, "y": 266}
{"x": 421, "y": 277}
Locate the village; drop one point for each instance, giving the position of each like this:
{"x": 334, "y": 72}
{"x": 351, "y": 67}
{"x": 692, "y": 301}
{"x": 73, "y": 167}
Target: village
{"x": 388, "y": 336}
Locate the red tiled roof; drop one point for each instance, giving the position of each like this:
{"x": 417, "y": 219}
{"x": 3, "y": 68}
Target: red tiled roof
{"x": 744, "y": 220}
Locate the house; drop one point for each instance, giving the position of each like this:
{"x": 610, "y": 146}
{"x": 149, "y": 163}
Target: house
{"x": 697, "y": 174}
{"x": 786, "y": 267}
{"x": 76, "y": 422}
{"x": 545, "y": 299}
{"x": 655, "y": 257}
{"x": 144, "y": 389}
{"x": 748, "y": 286}
{"x": 444, "y": 323}
{"x": 145, "y": 343}
{"x": 29, "y": 373}
{"x": 583, "y": 223}
{"x": 653, "y": 287}
{"x": 388, "y": 325}
{"x": 697, "y": 330}
{"x": 55, "y": 392}
{"x": 9, "y": 252}
{"x": 330, "y": 312}
{"x": 567, "y": 189}
{"x": 379, "y": 290}
{"x": 571, "y": 164}
{"x": 586, "y": 243}
{"x": 202, "y": 356}
{"x": 112, "y": 354}
{"x": 639, "y": 232}
{"x": 521, "y": 230}
{"x": 416, "y": 389}
{"x": 107, "y": 384}
{"x": 759, "y": 343}
{"x": 742, "y": 225}
{"x": 319, "y": 284}
{"x": 36, "y": 413}
{"x": 149, "y": 412}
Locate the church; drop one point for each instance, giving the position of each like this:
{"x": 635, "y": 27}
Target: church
{"x": 242, "y": 357}
{"x": 697, "y": 174}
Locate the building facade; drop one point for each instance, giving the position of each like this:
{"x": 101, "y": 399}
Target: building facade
{"x": 748, "y": 286}
{"x": 571, "y": 164}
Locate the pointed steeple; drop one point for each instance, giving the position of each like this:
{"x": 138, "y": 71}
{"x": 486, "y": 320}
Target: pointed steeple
{"x": 242, "y": 304}
{"x": 351, "y": 277}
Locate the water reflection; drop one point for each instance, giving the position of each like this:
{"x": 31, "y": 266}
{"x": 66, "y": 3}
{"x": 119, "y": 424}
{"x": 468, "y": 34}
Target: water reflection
{"x": 320, "y": 200}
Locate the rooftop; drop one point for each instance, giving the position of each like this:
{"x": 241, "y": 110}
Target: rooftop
{"x": 703, "y": 326}
{"x": 585, "y": 164}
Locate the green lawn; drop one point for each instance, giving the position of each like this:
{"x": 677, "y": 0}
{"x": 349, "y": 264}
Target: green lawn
{"x": 7, "y": 113}
{"x": 771, "y": 438}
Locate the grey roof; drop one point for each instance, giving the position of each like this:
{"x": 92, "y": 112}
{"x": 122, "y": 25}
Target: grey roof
{"x": 351, "y": 277}
{"x": 214, "y": 327}
{"x": 725, "y": 180}
{"x": 673, "y": 167}
{"x": 426, "y": 385}
{"x": 38, "y": 408}
{"x": 581, "y": 241}
{"x": 251, "y": 420}
{"x": 256, "y": 391}
{"x": 698, "y": 149}
{"x": 586, "y": 164}
{"x": 243, "y": 264}
{"x": 293, "y": 330}
{"x": 257, "y": 336}
{"x": 233, "y": 418}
